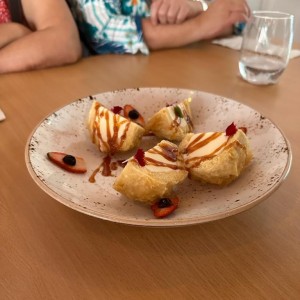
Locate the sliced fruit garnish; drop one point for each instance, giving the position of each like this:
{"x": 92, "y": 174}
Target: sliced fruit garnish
{"x": 231, "y": 129}
{"x": 140, "y": 157}
{"x": 164, "y": 207}
{"x": 132, "y": 114}
{"x": 68, "y": 162}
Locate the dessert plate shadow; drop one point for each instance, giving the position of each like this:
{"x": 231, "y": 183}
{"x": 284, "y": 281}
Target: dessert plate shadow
{"x": 65, "y": 131}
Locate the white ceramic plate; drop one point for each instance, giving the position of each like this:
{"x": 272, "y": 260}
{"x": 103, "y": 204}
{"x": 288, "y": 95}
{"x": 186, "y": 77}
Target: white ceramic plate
{"x": 65, "y": 131}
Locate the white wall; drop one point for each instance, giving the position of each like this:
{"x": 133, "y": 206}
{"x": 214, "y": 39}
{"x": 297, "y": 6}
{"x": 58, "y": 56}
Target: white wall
{"x": 255, "y": 4}
{"x": 289, "y": 6}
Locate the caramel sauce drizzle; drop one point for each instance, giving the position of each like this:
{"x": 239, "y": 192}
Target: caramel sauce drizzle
{"x": 106, "y": 167}
{"x": 174, "y": 123}
{"x": 154, "y": 162}
{"x": 197, "y": 144}
{"x": 188, "y": 120}
{"x": 166, "y": 151}
{"x": 93, "y": 176}
{"x": 177, "y": 121}
{"x": 169, "y": 153}
{"x": 112, "y": 145}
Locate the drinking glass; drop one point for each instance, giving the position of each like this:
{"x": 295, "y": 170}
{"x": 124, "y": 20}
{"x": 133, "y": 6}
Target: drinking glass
{"x": 266, "y": 46}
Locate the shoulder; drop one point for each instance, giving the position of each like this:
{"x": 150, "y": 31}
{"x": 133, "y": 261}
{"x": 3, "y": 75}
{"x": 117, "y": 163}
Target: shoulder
{"x": 40, "y": 14}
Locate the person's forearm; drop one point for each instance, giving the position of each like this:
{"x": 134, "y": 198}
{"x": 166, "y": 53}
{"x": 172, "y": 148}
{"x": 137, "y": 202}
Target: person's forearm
{"x": 10, "y": 32}
{"x": 171, "y": 36}
{"x": 216, "y": 21}
{"x": 40, "y": 49}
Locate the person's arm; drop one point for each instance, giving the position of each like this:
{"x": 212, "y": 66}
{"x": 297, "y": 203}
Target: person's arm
{"x": 54, "y": 39}
{"x": 174, "y": 11}
{"x": 217, "y": 21}
{"x": 11, "y": 31}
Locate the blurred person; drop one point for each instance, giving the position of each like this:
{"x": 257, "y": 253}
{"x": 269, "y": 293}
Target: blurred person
{"x": 133, "y": 26}
{"x": 174, "y": 11}
{"x": 36, "y": 34}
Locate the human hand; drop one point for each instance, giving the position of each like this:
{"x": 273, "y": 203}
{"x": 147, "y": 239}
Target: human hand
{"x": 221, "y": 15}
{"x": 173, "y": 11}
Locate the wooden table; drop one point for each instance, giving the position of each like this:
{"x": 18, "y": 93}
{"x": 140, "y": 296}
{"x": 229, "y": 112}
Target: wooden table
{"x": 49, "y": 251}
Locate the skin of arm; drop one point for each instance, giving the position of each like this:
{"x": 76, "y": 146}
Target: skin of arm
{"x": 121, "y": 27}
{"x": 51, "y": 38}
{"x": 215, "y": 22}
{"x": 10, "y": 32}
{"x": 173, "y": 11}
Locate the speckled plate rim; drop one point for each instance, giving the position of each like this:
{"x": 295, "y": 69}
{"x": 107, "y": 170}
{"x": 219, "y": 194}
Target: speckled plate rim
{"x": 159, "y": 223}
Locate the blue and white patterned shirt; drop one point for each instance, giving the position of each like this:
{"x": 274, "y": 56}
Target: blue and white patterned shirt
{"x": 111, "y": 26}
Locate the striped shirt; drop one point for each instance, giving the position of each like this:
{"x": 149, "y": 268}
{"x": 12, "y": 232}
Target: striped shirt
{"x": 111, "y": 26}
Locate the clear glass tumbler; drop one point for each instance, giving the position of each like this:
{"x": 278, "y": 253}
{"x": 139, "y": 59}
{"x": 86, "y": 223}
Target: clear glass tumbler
{"x": 266, "y": 46}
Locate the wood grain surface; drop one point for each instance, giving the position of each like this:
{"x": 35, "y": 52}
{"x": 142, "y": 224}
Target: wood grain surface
{"x": 49, "y": 251}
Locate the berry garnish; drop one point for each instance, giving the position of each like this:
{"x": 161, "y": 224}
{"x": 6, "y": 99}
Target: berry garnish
{"x": 164, "y": 207}
{"x": 133, "y": 114}
{"x": 164, "y": 202}
{"x": 66, "y": 161}
{"x": 117, "y": 109}
{"x": 140, "y": 157}
{"x": 69, "y": 160}
{"x": 178, "y": 111}
{"x": 231, "y": 129}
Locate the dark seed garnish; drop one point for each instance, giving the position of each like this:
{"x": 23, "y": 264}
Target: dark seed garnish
{"x": 164, "y": 202}
{"x": 133, "y": 114}
{"x": 69, "y": 160}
